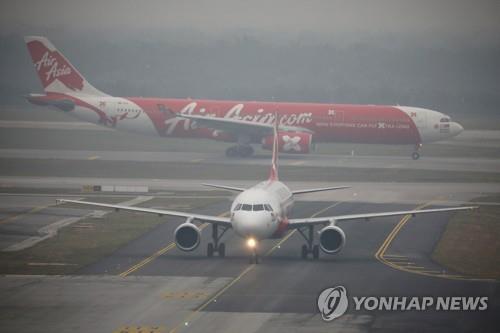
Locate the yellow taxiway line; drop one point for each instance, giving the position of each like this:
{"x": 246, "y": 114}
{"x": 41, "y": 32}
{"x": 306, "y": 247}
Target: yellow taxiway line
{"x": 391, "y": 261}
{"x": 242, "y": 274}
{"x": 158, "y": 253}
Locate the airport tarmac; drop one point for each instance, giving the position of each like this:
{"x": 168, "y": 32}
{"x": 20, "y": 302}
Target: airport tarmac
{"x": 467, "y": 137}
{"x": 310, "y": 160}
{"x": 375, "y": 192}
{"x": 150, "y": 285}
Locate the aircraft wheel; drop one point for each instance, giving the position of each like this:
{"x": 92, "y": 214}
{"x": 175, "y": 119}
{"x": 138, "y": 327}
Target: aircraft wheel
{"x": 245, "y": 151}
{"x": 415, "y": 155}
{"x": 222, "y": 250}
{"x": 304, "y": 252}
{"x": 232, "y": 151}
{"x": 254, "y": 258}
{"x": 315, "y": 252}
{"x": 210, "y": 250}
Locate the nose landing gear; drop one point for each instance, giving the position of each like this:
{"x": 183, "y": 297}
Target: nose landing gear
{"x": 253, "y": 245}
{"x": 254, "y": 258}
{"x": 415, "y": 155}
{"x": 239, "y": 151}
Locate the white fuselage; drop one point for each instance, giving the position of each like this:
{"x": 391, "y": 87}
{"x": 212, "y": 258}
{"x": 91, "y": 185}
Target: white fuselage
{"x": 258, "y": 211}
{"x": 140, "y": 115}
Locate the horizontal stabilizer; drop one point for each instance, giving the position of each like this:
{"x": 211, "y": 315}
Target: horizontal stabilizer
{"x": 64, "y": 104}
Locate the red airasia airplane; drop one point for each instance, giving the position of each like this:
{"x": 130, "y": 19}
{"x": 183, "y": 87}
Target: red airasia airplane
{"x": 243, "y": 123}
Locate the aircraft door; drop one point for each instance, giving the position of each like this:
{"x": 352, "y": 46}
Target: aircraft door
{"x": 419, "y": 118}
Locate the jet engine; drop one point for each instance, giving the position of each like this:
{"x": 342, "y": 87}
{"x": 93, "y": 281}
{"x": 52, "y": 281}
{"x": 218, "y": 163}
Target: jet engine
{"x": 331, "y": 239}
{"x": 290, "y": 142}
{"x": 187, "y": 236}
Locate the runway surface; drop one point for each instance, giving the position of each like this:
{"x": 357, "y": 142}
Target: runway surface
{"x": 468, "y": 137}
{"x": 375, "y": 192}
{"x": 312, "y": 160}
{"x": 150, "y": 284}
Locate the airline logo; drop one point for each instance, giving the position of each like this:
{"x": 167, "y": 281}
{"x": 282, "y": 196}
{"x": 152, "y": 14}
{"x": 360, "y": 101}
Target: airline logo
{"x": 291, "y": 143}
{"x": 235, "y": 112}
{"x": 51, "y": 66}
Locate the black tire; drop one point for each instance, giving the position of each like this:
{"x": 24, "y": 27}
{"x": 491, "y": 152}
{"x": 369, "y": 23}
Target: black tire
{"x": 304, "y": 252}
{"x": 232, "y": 152}
{"x": 251, "y": 260}
{"x": 246, "y": 151}
{"x": 222, "y": 250}
{"x": 254, "y": 258}
{"x": 415, "y": 155}
{"x": 315, "y": 252}
{"x": 239, "y": 151}
{"x": 257, "y": 259}
{"x": 210, "y": 250}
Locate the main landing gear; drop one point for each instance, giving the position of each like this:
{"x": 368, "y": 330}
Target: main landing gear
{"x": 239, "y": 151}
{"x": 216, "y": 247}
{"x": 415, "y": 155}
{"x": 308, "y": 234}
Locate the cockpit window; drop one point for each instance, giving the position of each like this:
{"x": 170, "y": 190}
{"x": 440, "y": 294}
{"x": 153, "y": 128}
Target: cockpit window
{"x": 444, "y": 120}
{"x": 246, "y": 207}
{"x": 257, "y": 208}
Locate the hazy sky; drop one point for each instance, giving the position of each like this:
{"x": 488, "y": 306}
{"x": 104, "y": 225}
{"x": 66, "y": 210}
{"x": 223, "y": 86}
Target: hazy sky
{"x": 287, "y": 18}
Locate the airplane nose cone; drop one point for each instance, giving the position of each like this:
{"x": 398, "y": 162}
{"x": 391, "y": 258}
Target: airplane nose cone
{"x": 251, "y": 224}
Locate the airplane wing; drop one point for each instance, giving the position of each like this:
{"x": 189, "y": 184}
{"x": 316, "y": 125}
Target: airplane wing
{"x": 297, "y": 223}
{"x": 319, "y": 189}
{"x": 230, "y": 188}
{"x": 203, "y": 218}
{"x": 239, "y": 126}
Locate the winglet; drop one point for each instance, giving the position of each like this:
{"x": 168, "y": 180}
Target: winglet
{"x": 273, "y": 174}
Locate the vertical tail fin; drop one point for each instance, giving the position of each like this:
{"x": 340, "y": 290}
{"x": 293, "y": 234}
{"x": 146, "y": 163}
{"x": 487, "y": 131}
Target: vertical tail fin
{"x": 55, "y": 72}
{"x": 273, "y": 174}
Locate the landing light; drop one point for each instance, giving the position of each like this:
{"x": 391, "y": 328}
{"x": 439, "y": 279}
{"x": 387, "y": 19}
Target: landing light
{"x": 251, "y": 243}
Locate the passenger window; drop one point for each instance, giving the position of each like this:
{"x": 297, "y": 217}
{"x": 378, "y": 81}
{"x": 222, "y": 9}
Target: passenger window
{"x": 258, "y": 207}
{"x": 247, "y": 207}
